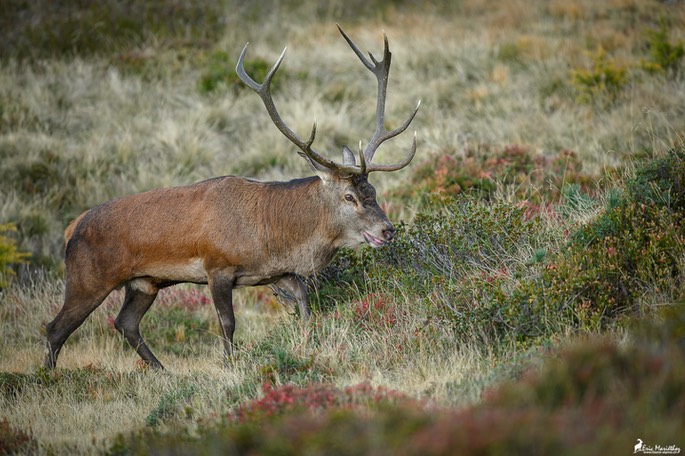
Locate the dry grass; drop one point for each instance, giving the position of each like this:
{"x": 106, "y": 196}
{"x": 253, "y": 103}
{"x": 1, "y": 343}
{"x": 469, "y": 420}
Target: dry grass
{"x": 99, "y": 389}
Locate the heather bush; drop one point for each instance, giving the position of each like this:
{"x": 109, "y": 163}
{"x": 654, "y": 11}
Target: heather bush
{"x": 632, "y": 248}
{"x": 315, "y": 398}
{"x": 591, "y": 397}
{"x": 482, "y": 170}
{"x": 501, "y": 271}
{"x": 461, "y": 262}
{"x": 15, "y": 441}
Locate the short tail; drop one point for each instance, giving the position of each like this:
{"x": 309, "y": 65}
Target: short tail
{"x": 69, "y": 232}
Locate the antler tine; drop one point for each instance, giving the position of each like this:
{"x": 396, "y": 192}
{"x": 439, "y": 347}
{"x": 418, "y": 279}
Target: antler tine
{"x": 396, "y": 166}
{"x": 356, "y": 50}
{"x": 381, "y": 69}
{"x": 264, "y": 92}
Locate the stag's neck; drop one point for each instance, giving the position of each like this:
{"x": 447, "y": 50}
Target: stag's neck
{"x": 298, "y": 230}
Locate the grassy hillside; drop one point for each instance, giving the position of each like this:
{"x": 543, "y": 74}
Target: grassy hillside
{"x": 539, "y": 255}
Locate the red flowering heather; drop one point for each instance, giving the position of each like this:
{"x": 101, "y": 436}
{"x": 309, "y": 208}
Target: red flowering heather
{"x": 315, "y": 397}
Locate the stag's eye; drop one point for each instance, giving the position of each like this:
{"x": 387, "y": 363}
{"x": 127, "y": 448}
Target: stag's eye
{"x": 350, "y": 197}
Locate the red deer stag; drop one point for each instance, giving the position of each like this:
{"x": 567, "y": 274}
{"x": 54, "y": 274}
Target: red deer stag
{"x": 228, "y": 231}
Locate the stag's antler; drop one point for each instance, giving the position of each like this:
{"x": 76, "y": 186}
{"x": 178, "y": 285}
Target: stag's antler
{"x": 381, "y": 70}
{"x": 264, "y": 92}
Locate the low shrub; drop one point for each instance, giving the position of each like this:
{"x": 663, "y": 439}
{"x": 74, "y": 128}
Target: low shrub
{"x": 461, "y": 262}
{"x": 10, "y": 254}
{"x": 593, "y": 397}
{"x": 664, "y": 56}
{"x": 633, "y": 247}
{"x": 479, "y": 171}
{"x": 314, "y": 398}
{"x": 602, "y": 82}
{"x": 15, "y": 441}
{"x": 492, "y": 269}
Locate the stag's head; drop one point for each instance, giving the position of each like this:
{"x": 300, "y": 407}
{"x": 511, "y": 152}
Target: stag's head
{"x": 345, "y": 185}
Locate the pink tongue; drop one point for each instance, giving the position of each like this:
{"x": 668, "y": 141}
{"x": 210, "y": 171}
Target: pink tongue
{"x": 373, "y": 240}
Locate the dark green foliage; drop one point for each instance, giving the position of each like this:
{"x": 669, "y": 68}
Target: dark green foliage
{"x": 632, "y": 249}
{"x": 461, "y": 261}
{"x": 634, "y": 246}
{"x": 45, "y": 28}
{"x": 661, "y": 182}
{"x": 466, "y": 262}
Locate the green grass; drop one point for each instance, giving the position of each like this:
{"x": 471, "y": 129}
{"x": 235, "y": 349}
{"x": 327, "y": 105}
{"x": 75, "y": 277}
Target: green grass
{"x": 539, "y": 253}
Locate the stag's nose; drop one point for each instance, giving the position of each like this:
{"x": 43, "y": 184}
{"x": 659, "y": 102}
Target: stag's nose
{"x": 389, "y": 233}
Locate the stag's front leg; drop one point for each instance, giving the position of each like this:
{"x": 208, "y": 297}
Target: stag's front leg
{"x": 221, "y": 287}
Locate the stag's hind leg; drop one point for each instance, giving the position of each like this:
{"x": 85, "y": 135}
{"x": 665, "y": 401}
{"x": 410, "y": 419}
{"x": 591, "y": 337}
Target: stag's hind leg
{"x": 293, "y": 288}
{"x": 140, "y": 295}
{"x": 79, "y": 302}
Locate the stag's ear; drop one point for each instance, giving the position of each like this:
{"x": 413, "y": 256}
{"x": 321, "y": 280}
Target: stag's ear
{"x": 317, "y": 167}
{"x": 320, "y": 170}
{"x": 348, "y": 157}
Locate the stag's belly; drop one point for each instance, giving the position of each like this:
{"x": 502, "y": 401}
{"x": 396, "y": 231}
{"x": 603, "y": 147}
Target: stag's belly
{"x": 192, "y": 271}
{"x": 254, "y": 280}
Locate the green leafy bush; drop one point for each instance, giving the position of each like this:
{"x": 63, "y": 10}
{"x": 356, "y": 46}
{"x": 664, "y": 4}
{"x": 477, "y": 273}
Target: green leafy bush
{"x": 602, "y": 82}
{"x": 664, "y": 56}
{"x": 9, "y": 254}
{"x": 487, "y": 267}
{"x": 633, "y": 247}
{"x": 461, "y": 261}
